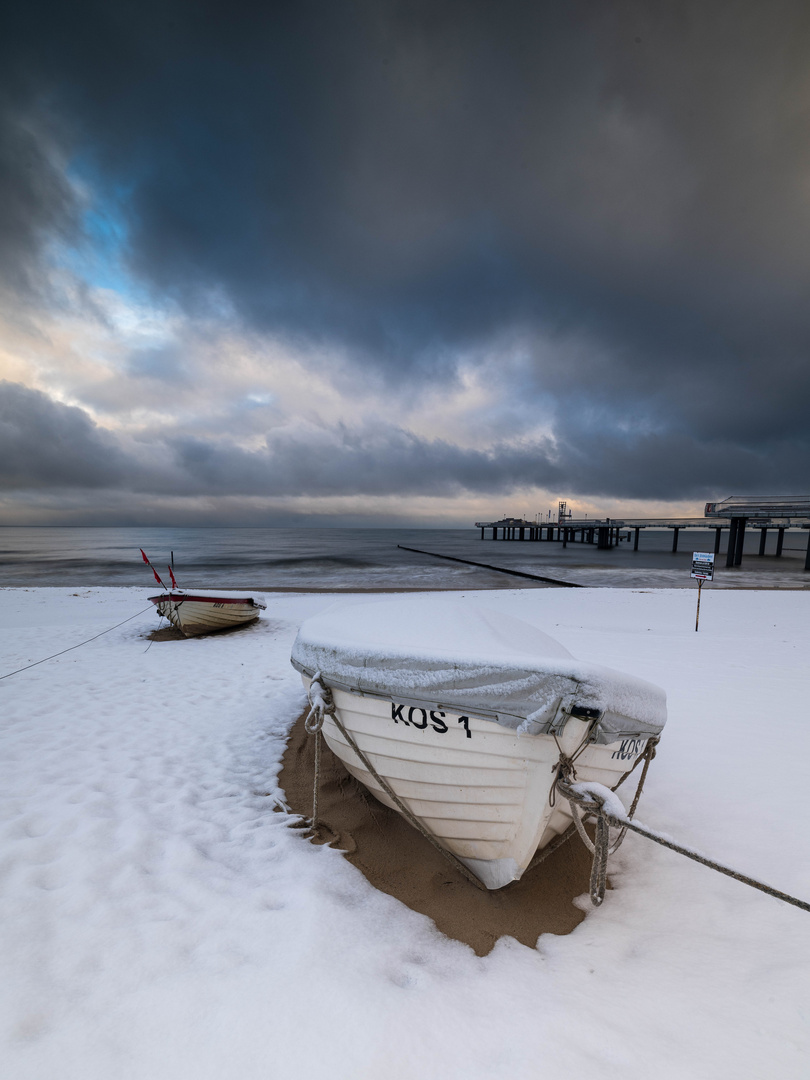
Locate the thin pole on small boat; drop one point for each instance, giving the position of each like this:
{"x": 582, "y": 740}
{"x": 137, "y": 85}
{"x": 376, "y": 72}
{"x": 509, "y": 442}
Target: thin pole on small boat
{"x": 171, "y": 574}
{"x": 154, "y": 571}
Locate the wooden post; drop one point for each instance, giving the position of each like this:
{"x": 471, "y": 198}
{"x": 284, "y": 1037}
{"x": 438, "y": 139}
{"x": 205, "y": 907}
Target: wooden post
{"x": 697, "y": 616}
{"x": 635, "y": 541}
{"x": 675, "y": 532}
{"x": 732, "y": 541}
{"x": 780, "y": 539}
{"x": 763, "y": 536}
{"x": 717, "y": 535}
{"x": 738, "y": 550}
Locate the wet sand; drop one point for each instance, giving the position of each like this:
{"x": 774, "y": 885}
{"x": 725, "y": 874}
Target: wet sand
{"x": 399, "y": 861}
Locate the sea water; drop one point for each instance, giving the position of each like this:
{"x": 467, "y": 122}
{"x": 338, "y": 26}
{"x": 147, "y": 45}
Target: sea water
{"x": 356, "y": 559}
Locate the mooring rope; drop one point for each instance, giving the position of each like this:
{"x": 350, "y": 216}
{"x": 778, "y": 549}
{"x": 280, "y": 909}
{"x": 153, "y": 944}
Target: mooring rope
{"x": 72, "y": 647}
{"x": 320, "y": 698}
{"x": 321, "y": 708}
{"x": 594, "y": 803}
{"x": 550, "y": 848}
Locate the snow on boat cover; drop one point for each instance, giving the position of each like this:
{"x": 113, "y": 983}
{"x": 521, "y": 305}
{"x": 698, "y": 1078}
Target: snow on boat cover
{"x": 436, "y": 653}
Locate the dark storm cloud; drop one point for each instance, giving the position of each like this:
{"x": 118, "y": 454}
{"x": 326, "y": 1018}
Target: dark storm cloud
{"x": 398, "y": 462}
{"x": 408, "y": 180}
{"x": 36, "y": 203}
{"x": 44, "y": 444}
{"x": 370, "y": 463}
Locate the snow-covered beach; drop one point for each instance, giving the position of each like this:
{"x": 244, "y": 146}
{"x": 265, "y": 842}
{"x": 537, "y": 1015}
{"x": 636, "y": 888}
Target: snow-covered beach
{"x": 160, "y": 920}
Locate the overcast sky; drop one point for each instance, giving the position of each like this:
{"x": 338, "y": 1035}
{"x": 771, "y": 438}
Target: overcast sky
{"x": 383, "y": 262}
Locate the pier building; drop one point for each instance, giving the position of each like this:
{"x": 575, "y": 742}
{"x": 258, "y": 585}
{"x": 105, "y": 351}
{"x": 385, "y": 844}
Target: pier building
{"x": 736, "y": 514}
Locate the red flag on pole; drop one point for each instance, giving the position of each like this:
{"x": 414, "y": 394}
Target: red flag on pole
{"x": 174, "y": 583}
{"x": 154, "y": 571}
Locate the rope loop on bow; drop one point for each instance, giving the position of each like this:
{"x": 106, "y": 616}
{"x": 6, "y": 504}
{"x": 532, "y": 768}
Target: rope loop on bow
{"x": 321, "y": 704}
{"x": 592, "y": 805}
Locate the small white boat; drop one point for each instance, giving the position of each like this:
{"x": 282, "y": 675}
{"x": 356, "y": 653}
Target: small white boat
{"x": 194, "y": 614}
{"x": 465, "y": 713}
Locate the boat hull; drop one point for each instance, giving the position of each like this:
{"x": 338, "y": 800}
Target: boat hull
{"x": 195, "y": 615}
{"x": 480, "y": 788}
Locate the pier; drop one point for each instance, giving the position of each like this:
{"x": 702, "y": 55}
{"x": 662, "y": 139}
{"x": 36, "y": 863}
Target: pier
{"x": 736, "y": 514}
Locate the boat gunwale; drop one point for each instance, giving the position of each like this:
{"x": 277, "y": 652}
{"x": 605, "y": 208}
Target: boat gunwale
{"x": 196, "y": 598}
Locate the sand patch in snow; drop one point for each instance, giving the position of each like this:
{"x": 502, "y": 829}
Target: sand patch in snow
{"x": 398, "y": 861}
{"x": 166, "y": 633}
{"x": 171, "y": 633}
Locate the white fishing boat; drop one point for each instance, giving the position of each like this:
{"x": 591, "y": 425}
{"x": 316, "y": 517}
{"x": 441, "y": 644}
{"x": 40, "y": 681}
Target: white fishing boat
{"x": 465, "y": 714}
{"x": 194, "y": 614}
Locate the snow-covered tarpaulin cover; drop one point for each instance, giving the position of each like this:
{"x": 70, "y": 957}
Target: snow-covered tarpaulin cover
{"x": 439, "y": 653}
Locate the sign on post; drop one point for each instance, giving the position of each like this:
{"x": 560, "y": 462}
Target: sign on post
{"x": 702, "y": 570}
{"x": 703, "y": 565}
